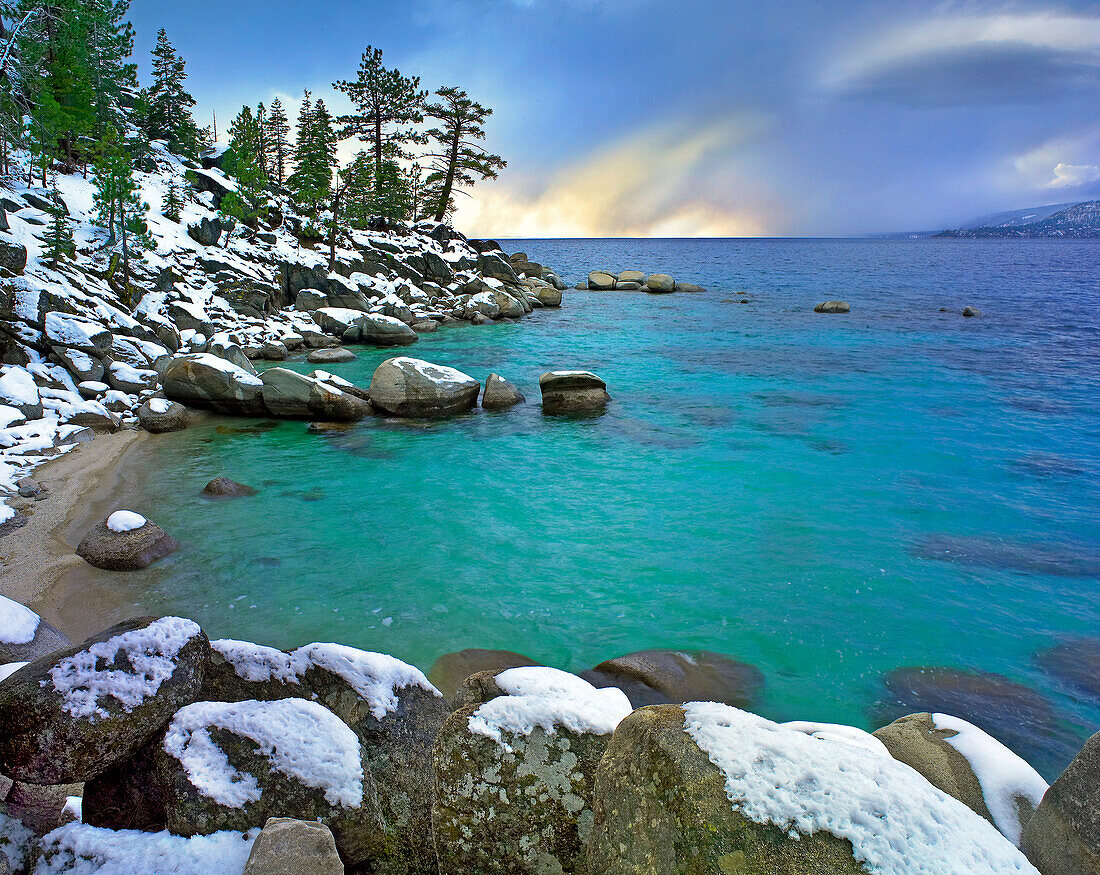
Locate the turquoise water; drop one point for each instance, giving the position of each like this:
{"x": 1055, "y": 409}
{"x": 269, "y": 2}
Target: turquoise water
{"x": 827, "y": 497}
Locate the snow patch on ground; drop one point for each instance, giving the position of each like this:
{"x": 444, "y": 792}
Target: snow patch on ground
{"x": 15, "y": 841}
{"x": 125, "y": 521}
{"x": 17, "y": 622}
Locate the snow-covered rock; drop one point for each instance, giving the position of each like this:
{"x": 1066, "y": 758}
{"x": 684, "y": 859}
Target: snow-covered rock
{"x": 412, "y": 387}
{"x": 288, "y": 393}
{"x": 125, "y": 541}
{"x": 24, "y": 636}
{"x": 204, "y": 380}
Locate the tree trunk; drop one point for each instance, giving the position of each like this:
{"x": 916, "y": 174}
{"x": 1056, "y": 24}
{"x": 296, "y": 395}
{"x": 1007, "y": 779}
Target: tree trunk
{"x": 378, "y": 158}
{"x": 448, "y": 183}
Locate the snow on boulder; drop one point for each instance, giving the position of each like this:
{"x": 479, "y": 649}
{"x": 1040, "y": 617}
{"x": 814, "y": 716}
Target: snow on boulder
{"x": 378, "y": 329}
{"x": 335, "y": 320}
{"x": 125, "y": 521}
{"x": 24, "y": 635}
{"x": 125, "y": 541}
{"x": 515, "y": 774}
{"x": 411, "y": 387}
{"x": 205, "y": 380}
{"x": 18, "y": 390}
{"x": 69, "y": 716}
{"x": 127, "y": 378}
{"x": 288, "y": 393}
{"x": 159, "y": 415}
{"x": 703, "y": 784}
{"x": 82, "y": 334}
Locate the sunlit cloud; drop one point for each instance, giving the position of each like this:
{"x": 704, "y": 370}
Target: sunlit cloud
{"x": 1060, "y": 163}
{"x": 651, "y": 184}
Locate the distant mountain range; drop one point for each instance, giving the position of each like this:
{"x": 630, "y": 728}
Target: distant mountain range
{"x": 1057, "y": 220}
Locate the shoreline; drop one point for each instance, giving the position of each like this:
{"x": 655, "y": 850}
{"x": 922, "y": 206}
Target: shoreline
{"x": 38, "y": 562}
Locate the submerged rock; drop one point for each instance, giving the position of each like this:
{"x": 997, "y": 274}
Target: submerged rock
{"x": 573, "y": 392}
{"x": 412, "y": 387}
{"x": 500, "y": 394}
{"x": 1076, "y": 663}
{"x": 294, "y": 847}
{"x": 223, "y": 487}
{"x": 125, "y": 541}
{"x": 970, "y": 312}
{"x": 833, "y": 307}
{"x": 451, "y": 669}
{"x": 25, "y": 636}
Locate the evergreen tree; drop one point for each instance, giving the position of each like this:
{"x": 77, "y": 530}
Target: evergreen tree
{"x": 314, "y": 158}
{"x": 458, "y": 159}
{"x": 169, "y": 114}
{"x": 358, "y": 177}
{"x": 278, "y": 129}
{"x": 244, "y": 162}
{"x": 387, "y": 104}
{"x": 117, "y": 200}
{"x": 58, "y": 239}
{"x": 172, "y": 205}
{"x": 110, "y": 42}
{"x": 265, "y": 146}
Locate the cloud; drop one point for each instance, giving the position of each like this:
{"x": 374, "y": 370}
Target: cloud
{"x": 656, "y": 183}
{"x": 1061, "y": 163}
{"x": 961, "y": 59}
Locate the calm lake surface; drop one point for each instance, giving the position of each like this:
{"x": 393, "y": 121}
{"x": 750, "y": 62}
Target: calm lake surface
{"x": 826, "y": 497}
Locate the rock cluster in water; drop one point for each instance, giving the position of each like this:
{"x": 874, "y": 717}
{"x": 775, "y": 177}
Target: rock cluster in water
{"x": 635, "y": 281}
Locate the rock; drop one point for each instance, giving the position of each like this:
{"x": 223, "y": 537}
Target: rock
{"x": 95, "y": 416}
{"x": 273, "y": 351}
{"x": 309, "y": 300}
{"x": 159, "y": 415}
{"x": 518, "y": 256}
{"x": 492, "y": 265}
{"x": 204, "y": 380}
{"x": 425, "y": 327}
{"x": 412, "y": 387}
{"x": 481, "y": 304}
{"x": 223, "y": 487}
{"x": 660, "y": 283}
{"x": 631, "y": 276}
{"x": 18, "y": 390}
{"x": 25, "y": 636}
{"x": 689, "y": 287}
{"x": 116, "y": 546}
{"x": 294, "y": 847}
{"x": 509, "y": 307}
{"x": 1063, "y": 838}
{"x": 451, "y": 669}
{"x": 335, "y": 356}
{"x": 207, "y": 232}
{"x": 46, "y": 205}
{"x": 13, "y": 257}
{"x": 833, "y": 307}
{"x": 530, "y": 268}
{"x": 958, "y": 757}
{"x": 658, "y": 677}
{"x": 549, "y": 297}
{"x": 287, "y": 393}
{"x": 234, "y": 355}
{"x": 971, "y": 311}
{"x": 598, "y": 281}
{"x": 500, "y": 394}
{"x": 71, "y": 715}
{"x": 1076, "y": 663}
{"x": 705, "y": 787}
{"x": 514, "y": 775}
{"x": 335, "y": 320}
{"x": 379, "y": 330}
{"x": 627, "y": 286}
{"x": 82, "y": 366}
{"x": 573, "y": 392}
{"x": 28, "y": 487}
{"x": 38, "y": 807}
{"x": 128, "y": 795}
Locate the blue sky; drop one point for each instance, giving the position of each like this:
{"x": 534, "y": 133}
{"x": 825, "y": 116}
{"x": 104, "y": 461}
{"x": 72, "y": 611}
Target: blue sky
{"x": 666, "y": 118}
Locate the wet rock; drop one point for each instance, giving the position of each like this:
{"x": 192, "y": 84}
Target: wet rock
{"x": 223, "y": 487}
{"x": 25, "y": 636}
{"x": 833, "y": 307}
{"x": 598, "y": 281}
{"x": 573, "y": 392}
{"x": 1063, "y": 838}
{"x": 451, "y": 669}
{"x": 125, "y": 549}
{"x": 1076, "y": 663}
{"x": 159, "y": 416}
{"x": 500, "y": 394}
{"x": 970, "y": 312}
{"x": 288, "y": 393}
{"x": 335, "y": 356}
{"x": 689, "y": 287}
{"x": 549, "y": 296}
{"x": 294, "y": 847}
{"x": 412, "y": 387}
{"x": 205, "y": 380}
{"x": 71, "y": 715}
{"x": 658, "y": 677}
{"x": 661, "y": 283}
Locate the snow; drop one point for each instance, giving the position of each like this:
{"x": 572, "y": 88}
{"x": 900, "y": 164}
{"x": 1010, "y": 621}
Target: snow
{"x": 9, "y": 415}
{"x": 71, "y": 331}
{"x": 94, "y": 386}
{"x": 440, "y": 374}
{"x": 548, "y": 698}
{"x": 841, "y": 733}
{"x": 151, "y": 653}
{"x": 18, "y": 624}
{"x": 301, "y": 739}
{"x": 125, "y": 521}
{"x": 77, "y": 849}
{"x": 160, "y": 405}
{"x": 225, "y": 366}
{"x": 73, "y": 808}
{"x": 15, "y": 841}
{"x": 1002, "y": 775}
{"x": 18, "y": 387}
{"x": 10, "y": 668}
{"x": 257, "y": 663}
{"x": 897, "y": 822}
{"x": 573, "y": 374}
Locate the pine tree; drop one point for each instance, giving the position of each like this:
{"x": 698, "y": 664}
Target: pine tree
{"x": 169, "y": 116}
{"x": 110, "y": 42}
{"x": 314, "y": 158}
{"x": 58, "y": 239}
{"x": 117, "y": 200}
{"x": 244, "y": 162}
{"x": 172, "y": 205}
{"x": 278, "y": 129}
{"x": 386, "y": 104}
{"x": 265, "y": 146}
{"x": 358, "y": 177}
{"x": 458, "y": 160}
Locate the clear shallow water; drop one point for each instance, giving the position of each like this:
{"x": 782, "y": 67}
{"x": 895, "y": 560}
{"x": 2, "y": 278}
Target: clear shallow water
{"x": 827, "y": 497}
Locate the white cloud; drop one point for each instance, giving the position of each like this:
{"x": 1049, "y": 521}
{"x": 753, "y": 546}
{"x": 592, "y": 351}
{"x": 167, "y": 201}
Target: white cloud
{"x": 1063, "y": 162}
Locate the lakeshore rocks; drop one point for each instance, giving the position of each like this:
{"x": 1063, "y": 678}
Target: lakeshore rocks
{"x": 159, "y": 416}
{"x": 631, "y": 276}
{"x": 549, "y": 296}
{"x": 205, "y": 380}
{"x": 514, "y": 775}
{"x": 969, "y": 765}
{"x": 335, "y": 356}
{"x": 223, "y": 487}
{"x": 573, "y": 392}
{"x": 451, "y": 669}
{"x": 290, "y": 394}
{"x": 377, "y": 329}
{"x": 500, "y": 394}
{"x": 411, "y": 387}
{"x": 599, "y": 281}
{"x": 833, "y": 307}
{"x": 125, "y": 541}
{"x": 1063, "y": 838}
{"x": 71, "y": 715}
{"x": 658, "y": 677}
{"x": 25, "y": 636}
{"x": 660, "y": 283}
{"x": 294, "y": 847}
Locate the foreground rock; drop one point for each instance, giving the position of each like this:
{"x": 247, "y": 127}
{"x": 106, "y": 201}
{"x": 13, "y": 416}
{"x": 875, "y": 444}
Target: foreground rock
{"x": 335, "y": 356}
{"x": 159, "y": 416}
{"x": 125, "y": 541}
{"x": 205, "y": 380}
{"x": 25, "y": 636}
{"x": 514, "y": 775}
{"x": 290, "y": 394}
{"x": 833, "y": 307}
{"x": 659, "y": 677}
{"x": 412, "y": 387}
{"x": 573, "y": 392}
{"x": 451, "y": 669}
{"x": 294, "y": 847}
{"x": 500, "y": 394}
{"x": 598, "y": 281}
{"x": 660, "y": 283}
{"x": 969, "y": 765}
{"x": 708, "y": 788}
{"x": 1063, "y": 838}
{"x": 223, "y": 487}
{"x": 71, "y": 715}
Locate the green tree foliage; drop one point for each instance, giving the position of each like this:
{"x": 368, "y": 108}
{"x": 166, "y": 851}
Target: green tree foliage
{"x": 314, "y": 158}
{"x": 458, "y": 161}
{"x": 387, "y": 105}
{"x": 278, "y": 129}
{"x": 172, "y": 205}
{"x": 118, "y": 203}
{"x": 57, "y": 242}
{"x": 169, "y": 105}
{"x": 244, "y": 161}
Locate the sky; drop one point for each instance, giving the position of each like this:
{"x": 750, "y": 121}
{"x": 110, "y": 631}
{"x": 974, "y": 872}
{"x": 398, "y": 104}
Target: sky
{"x": 673, "y": 118}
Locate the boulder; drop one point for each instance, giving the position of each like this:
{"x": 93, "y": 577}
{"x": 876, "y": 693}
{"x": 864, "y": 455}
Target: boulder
{"x": 309, "y": 300}
{"x": 970, "y": 312}
{"x": 969, "y": 765}
{"x": 481, "y": 304}
{"x": 129, "y": 794}
{"x": 660, "y": 283}
{"x": 273, "y": 351}
{"x": 13, "y": 256}
{"x": 689, "y": 287}
{"x": 549, "y": 296}
{"x": 509, "y": 306}
{"x": 204, "y": 380}
{"x": 207, "y": 232}
{"x": 658, "y": 677}
{"x": 377, "y": 329}
{"x": 38, "y": 807}
{"x": 71, "y": 715}
{"x": 833, "y": 307}
{"x": 627, "y": 286}
{"x": 411, "y": 387}
{"x": 530, "y": 268}
{"x": 25, "y": 636}
{"x": 125, "y": 541}
{"x": 451, "y": 669}
{"x": 514, "y": 775}
{"x": 573, "y": 392}
{"x": 334, "y": 356}
{"x": 631, "y": 276}
{"x": 600, "y": 281}
{"x": 490, "y": 264}
{"x": 427, "y": 326}
{"x": 335, "y": 320}
{"x": 159, "y": 415}
{"x": 223, "y": 487}
{"x": 18, "y": 390}
{"x": 705, "y": 787}
{"x": 81, "y": 365}
{"x": 1063, "y": 838}
{"x": 288, "y": 393}
{"x": 500, "y": 394}
{"x": 294, "y": 847}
